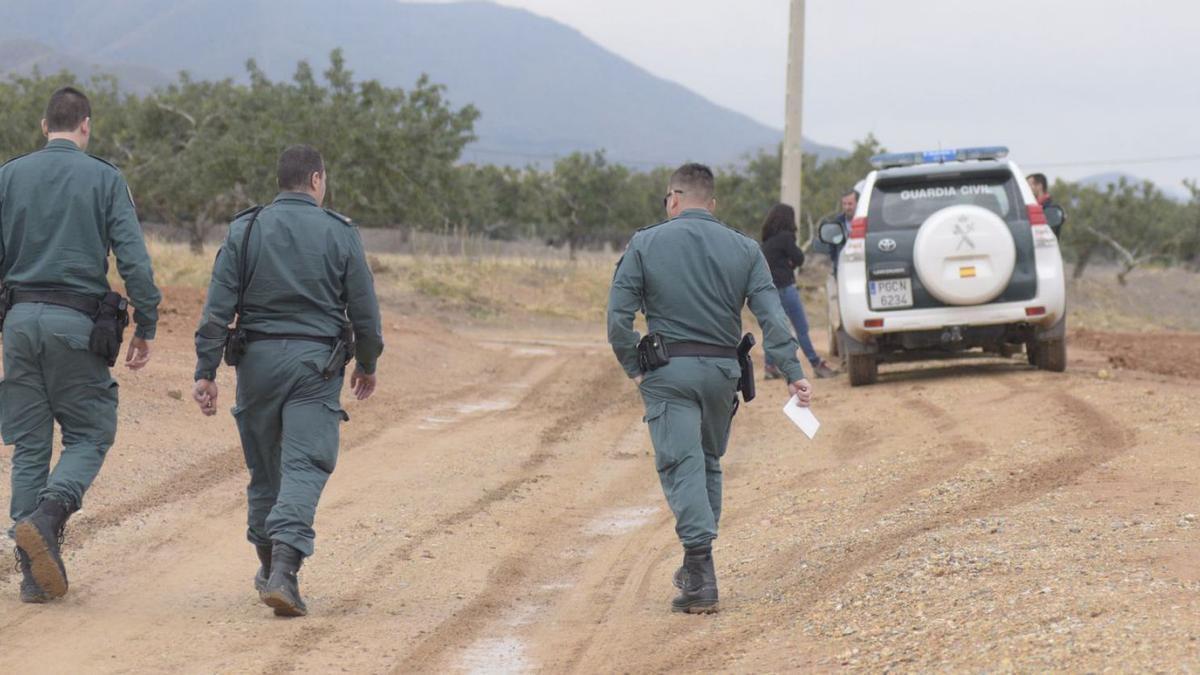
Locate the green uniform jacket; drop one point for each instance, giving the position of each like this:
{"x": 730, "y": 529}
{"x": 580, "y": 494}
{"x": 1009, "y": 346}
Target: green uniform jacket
{"x": 61, "y": 212}
{"x": 691, "y": 276}
{"x": 306, "y": 275}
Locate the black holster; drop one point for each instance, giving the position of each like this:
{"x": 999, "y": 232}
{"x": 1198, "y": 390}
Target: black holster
{"x": 746, "y": 381}
{"x": 343, "y": 352}
{"x": 652, "y": 353}
{"x": 235, "y": 344}
{"x": 108, "y": 328}
{"x": 5, "y": 304}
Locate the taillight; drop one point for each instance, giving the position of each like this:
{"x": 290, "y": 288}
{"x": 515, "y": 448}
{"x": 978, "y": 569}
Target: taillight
{"x": 858, "y": 227}
{"x": 1035, "y": 311}
{"x": 1036, "y": 215}
{"x": 873, "y": 323}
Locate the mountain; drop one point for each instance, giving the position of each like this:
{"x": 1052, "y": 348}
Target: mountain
{"x": 1101, "y": 181}
{"x": 22, "y": 57}
{"x": 543, "y": 88}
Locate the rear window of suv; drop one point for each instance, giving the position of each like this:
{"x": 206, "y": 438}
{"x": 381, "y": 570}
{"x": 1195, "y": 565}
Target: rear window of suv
{"x": 907, "y": 205}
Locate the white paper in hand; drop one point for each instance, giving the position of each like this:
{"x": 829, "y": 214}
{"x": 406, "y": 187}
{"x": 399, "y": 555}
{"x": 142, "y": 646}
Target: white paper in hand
{"x": 802, "y": 416}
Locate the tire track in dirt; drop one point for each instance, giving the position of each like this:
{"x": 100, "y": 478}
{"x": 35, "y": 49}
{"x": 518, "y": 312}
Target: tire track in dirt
{"x": 1103, "y": 439}
{"x": 215, "y": 470}
{"x": 599, "y": 387}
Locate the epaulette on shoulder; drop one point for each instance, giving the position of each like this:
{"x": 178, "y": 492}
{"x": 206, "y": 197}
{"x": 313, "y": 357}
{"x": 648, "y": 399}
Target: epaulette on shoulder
{"x": 740, "y": 232}
{"x": 345, "y": 220}
{"x": 246, "y": 212}
{"x": 651, "y": 227}
{"x": 103, "y": 161}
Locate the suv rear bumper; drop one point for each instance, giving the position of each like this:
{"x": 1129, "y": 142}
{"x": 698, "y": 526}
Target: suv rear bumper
{"x": 853, "y": 305}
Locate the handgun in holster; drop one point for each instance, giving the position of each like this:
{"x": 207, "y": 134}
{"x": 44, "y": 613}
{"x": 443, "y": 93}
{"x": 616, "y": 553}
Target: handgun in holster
{"x": 746, "y": 381}
{"x": 108, "y": 327}
{"x": 5, "y": 304}
{"x": 343, "y": 352}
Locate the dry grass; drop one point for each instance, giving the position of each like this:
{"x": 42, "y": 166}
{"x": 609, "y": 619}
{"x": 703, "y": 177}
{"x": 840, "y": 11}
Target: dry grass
{"x": 482, "y": 287}
{"x": 485, "y": 287}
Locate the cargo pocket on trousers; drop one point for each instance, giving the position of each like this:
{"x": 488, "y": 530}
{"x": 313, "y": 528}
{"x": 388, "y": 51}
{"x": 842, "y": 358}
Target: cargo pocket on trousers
{"x": 731, "y": 371}
{"x": 340, "y": 413}
{"x": 660, "y": 435}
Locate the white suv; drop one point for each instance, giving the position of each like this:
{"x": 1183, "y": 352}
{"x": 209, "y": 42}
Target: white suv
{"x": 948, "y": 251}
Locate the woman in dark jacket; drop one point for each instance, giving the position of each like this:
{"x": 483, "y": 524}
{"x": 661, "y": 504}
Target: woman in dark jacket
{"x": 784, "y": 257}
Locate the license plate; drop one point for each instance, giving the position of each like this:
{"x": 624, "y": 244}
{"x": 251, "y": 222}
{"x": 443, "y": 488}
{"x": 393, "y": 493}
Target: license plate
{"x": 891, "y": 293}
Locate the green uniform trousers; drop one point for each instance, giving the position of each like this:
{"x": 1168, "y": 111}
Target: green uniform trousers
{"x": 288, "y": 417}
{"x": 50, "y": 375}
{"x": 689, "y": 409}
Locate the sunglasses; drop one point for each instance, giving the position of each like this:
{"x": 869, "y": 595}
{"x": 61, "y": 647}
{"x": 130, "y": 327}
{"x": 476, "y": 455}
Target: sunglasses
{"x": 668, "y": 196}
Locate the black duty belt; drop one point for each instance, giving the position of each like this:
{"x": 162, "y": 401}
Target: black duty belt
{"x": 75, "y": 301}
{"x": 255, "y": 336}
{"x": 700, "y": 349}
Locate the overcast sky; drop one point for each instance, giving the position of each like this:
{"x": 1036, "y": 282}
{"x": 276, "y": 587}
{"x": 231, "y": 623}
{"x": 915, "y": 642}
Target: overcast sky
{"x": 1058, "y": 81}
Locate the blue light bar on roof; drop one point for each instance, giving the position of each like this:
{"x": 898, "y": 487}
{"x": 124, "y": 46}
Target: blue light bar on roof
{"x": 894, "y": 159}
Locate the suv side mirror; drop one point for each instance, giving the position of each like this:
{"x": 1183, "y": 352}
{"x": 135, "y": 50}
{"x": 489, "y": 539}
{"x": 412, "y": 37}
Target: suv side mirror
{"x": 1055, "y": 217}
{"x": 831, "y": 233}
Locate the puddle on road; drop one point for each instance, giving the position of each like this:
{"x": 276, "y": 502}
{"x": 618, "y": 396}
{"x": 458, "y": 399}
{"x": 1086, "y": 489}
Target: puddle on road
{"x": 496, "y": 655}
{"x": 619, "y": 521}
{"x": 483, "y": 406}
{"x": 435, "y": 422}
{"x": 534, "y": 351}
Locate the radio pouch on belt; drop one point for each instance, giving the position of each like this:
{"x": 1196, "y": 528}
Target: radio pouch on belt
{"x": 746, "y": 381}
{"x": 652, "y": 353}
{"x": 235, "y": 339}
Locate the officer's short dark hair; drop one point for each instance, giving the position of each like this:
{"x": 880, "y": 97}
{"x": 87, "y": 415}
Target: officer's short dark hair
{"x": 67, "y": 109}
{"x": 694, "y": 179}
{"x": 296, "y": 165}
{"x": 847, "y": 193}
{"x": 1040, "y": 179}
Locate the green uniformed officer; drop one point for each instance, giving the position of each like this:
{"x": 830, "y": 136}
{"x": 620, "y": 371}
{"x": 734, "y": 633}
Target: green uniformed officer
{"x": 305, "y": 282}
{"x": 691, "y": 276}
{"x": 61, "y": 212}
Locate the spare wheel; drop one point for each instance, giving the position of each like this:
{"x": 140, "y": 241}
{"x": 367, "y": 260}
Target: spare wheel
{"x": 964, "y": 255}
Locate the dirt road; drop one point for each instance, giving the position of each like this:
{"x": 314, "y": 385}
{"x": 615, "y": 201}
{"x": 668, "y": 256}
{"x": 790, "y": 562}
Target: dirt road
{"x": 495, "y": 509}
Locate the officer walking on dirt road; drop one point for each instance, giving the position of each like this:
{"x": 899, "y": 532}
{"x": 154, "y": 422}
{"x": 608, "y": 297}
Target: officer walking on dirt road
{"x": 61, "y": 212}
{"x": 691, "y": 276}
{"x": 294, "y": 282}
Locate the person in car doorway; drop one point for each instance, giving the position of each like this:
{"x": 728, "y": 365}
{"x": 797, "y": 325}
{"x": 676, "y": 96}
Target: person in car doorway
{"x": 848, "y": 204}
{"x": 784, "y": 257}
{"x": 1041, "y": 191}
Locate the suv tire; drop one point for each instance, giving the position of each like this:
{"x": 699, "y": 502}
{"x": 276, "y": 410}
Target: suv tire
{"x": 1051, "y": 356}
{"x": 863, "y": 369}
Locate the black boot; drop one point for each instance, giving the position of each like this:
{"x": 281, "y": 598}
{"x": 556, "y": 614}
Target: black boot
{"x": 30, "y": 591}
{"x": 40, "y": 536}
{"x": 283, "y": 588}
{"x": 264, "y": 572}
{"x": 699, "y": 592}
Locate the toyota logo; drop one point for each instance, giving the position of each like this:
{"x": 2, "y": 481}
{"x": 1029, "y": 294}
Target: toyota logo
{"x": 887, "y": 245}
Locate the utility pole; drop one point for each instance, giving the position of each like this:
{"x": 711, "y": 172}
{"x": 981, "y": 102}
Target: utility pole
{"x": 789, "y": 188}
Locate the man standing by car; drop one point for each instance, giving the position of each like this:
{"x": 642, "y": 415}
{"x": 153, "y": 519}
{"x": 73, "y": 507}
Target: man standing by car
{"x": 849, "y": 204}
{"x": 691, "y": 276}
{"x": 296, "y": 280}
{"x": 61, "y": 212}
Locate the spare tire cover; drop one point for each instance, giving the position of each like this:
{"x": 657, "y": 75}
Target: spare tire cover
{"x": 964, "y": 255}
